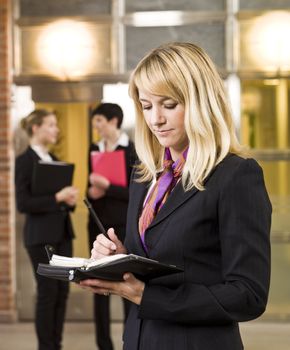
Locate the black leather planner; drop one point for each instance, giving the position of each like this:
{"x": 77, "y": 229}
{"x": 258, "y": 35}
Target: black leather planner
{"x": 142, "y": 268}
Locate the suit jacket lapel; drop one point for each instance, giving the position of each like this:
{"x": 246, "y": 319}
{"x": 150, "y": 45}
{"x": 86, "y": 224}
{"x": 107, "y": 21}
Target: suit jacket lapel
{"x": 177, "y": 197}
{"x": 175, "y": 200}
{"x": 136, "y": 205}
{"x": 33, "y": 154}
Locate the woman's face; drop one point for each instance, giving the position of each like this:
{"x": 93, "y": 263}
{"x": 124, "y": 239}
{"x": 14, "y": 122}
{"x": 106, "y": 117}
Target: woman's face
{"x": 104, "y": 126}
{"x": 47, "y": 132}
{"x": 165, "y": 118}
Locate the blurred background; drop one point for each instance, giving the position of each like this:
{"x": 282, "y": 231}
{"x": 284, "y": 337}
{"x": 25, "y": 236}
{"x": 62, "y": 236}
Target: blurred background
{"x": 69, "y": 55}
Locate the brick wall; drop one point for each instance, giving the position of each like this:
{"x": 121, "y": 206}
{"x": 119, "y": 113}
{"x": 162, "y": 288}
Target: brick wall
{"x": 7, "y": 277}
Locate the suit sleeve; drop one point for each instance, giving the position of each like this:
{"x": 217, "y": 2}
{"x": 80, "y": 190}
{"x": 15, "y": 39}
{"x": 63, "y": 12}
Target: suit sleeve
{"x": 244, "y": 215}
{"x": 25, "y": 201}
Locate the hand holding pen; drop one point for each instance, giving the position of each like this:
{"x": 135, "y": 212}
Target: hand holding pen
{"x": 107, "y": 243}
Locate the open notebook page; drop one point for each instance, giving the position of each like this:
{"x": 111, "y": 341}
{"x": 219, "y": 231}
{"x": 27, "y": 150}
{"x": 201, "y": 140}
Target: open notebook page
{"x": 60, "y": 260}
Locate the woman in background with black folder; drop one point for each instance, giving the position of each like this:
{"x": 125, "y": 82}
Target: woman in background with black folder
{"x": 47, "y": 222}
{"x": 195, "y": 202}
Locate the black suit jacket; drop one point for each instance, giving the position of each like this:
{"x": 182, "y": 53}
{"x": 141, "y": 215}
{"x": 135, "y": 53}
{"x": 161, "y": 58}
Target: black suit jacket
{"x": 112, "y": 208}
{"x": 220, "y": 237}
{"x": 47, "y": 221}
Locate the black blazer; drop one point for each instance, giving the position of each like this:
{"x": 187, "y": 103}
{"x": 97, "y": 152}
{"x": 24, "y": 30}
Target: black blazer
{"x": 112, "y": 208}
{"x": 47, "y": 221}
{"x": 220, "y": 237}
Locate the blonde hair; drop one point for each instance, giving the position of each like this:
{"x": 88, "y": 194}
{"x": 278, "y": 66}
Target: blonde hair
{"x": 34, "y": 118}
{"x": 186, "y": 74}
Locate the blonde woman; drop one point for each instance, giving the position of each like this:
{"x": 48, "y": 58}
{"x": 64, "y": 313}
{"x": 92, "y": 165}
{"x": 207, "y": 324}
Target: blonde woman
{"x": 195, "y": 202}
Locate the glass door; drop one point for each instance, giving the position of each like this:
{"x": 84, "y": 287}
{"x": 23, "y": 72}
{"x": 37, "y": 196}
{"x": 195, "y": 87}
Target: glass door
{"x": 265, "y": 129}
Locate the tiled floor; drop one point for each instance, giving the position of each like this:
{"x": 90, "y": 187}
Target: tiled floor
{"x": 79, "y": 336}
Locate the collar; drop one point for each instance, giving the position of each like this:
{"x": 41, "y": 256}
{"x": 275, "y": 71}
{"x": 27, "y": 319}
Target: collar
{"x": 41, "y": 153}
{"x": 122, "y": 141}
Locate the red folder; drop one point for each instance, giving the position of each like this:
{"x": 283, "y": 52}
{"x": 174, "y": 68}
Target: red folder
{"x": 111, "y": 165}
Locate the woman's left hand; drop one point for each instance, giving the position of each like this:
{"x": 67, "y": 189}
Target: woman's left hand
{"x": 131, "y": 288}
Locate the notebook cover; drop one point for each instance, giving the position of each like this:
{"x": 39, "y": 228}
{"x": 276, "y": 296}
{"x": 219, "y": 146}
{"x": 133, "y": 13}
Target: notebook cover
{"x": 143, "y": 268}
{"x": 51, "y": 177}
{"x": 111, "y": 165}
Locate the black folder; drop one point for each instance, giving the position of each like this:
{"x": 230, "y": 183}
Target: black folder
{"x": 141, "y": 267}
{"x": 51, "y": 177}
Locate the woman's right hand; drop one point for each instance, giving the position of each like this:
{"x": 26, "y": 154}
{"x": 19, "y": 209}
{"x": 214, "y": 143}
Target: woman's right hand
{"x": 96, "y": 192}
{"x": 103, "y": 246}
{"x": 68, "y": 195}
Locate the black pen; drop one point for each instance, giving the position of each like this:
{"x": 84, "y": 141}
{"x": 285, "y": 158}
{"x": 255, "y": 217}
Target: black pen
{"x": 49, "y": 251}
{"x": 95, "y": 217}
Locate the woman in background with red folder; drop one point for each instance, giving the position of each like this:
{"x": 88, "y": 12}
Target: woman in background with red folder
{"x": 47, "y": 222}
{"x": 110, "y": 201}
{"x": 197, "y": 202}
